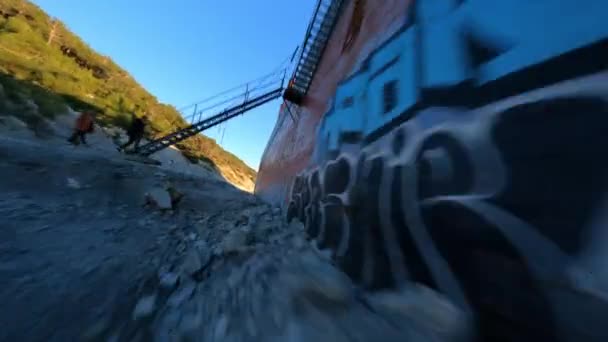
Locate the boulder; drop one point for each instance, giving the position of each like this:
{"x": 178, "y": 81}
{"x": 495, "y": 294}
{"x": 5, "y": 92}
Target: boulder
{"x": 168, "y": 279}
{"x": 426, "y": 309}
{"x": 144, "y": 307}
{"x": 196, "y": 259}
{"x": 236, "y": 240}
{"x": 160, "y": 198}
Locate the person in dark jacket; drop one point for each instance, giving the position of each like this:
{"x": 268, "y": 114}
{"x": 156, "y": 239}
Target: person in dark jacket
{"x": 135, "y": 132}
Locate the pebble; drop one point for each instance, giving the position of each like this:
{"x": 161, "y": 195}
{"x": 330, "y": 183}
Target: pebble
{"x": 73, "y": 183}
{"x": 144, "y": 307}
{"x": 160, "y": 198}
{"x": 235, "y": 240}
{"x": 168, "y": 280}
{"x": 192, "y": 262}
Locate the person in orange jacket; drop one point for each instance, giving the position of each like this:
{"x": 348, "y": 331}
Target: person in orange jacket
{"x": 84, "y": 124}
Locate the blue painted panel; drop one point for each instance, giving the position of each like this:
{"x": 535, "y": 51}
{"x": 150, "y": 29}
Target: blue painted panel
{"x": 402, "y": 70}
{"x": 446, "y": 61}
{"x": 344, "y": 118}
{"x": 527, "y": 32}
{"x": 538, "y": 29}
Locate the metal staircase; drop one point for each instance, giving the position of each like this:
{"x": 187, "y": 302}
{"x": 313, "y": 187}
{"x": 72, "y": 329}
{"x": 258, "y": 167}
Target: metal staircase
{"x": 248, "y": 96}
{"x": 258, "y": 92}
{"x": 316, "y": 38}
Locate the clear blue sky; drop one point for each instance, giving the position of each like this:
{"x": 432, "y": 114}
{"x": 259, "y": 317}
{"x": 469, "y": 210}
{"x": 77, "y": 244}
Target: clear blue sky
{"x": 186, "y": 50}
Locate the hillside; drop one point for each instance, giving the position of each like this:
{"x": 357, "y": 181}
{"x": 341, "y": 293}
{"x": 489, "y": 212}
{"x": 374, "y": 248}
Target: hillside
{"x": 43, "y": 62}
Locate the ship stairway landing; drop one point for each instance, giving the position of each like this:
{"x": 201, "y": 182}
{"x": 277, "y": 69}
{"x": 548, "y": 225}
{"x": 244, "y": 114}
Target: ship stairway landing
{"x": 222, "y": 107}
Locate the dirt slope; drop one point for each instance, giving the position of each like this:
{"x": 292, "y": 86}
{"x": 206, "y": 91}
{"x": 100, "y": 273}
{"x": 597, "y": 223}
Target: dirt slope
{"x": 81, "y": 258}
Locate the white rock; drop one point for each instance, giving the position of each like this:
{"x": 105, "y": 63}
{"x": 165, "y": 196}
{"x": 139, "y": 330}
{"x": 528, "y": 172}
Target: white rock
{"x": 144, "y": 307}
{"x": 168, "y": 279}
{"x": 192, "y": 262}
{"x": 425, "y": 307}
{"x": 235, "y": 240}
{"x": 73, "y": 183}
{"x": 159, "y": 197}
{"x": 318, "y": 279}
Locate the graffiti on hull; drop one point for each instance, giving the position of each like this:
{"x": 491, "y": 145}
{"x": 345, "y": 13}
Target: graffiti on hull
{"x": 289, "y": 150}
{"x": 468, "y": 153}
{"x": 467, "y": 55}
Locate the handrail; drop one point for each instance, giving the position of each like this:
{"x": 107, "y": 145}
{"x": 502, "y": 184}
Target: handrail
{"x": 247, "y": 92}
{"x": 308, "y": 31}
{"x": 315, "y": 40}
{"x": 275, "y": 73}
{"x": 234, "y": 98}
{"x": 193, "y": 129}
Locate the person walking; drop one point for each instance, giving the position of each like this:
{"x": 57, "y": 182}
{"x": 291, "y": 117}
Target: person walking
{"x": 135, "y": 133}
{"x": 85, "y": 124}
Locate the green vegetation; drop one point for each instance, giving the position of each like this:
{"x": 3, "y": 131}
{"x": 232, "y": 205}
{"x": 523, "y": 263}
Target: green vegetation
{"x": 42, "y": 61}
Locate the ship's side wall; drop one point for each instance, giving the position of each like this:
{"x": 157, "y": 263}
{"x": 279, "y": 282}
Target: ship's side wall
{"x": 291, "y": 146}
{"x": 444, "y": 54}
{"x": 463, "y": 149}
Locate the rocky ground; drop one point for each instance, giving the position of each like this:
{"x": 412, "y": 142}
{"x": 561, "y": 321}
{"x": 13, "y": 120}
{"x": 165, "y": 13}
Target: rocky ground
{"x": 94, "y": 247}
{"x": 105, "y": 139}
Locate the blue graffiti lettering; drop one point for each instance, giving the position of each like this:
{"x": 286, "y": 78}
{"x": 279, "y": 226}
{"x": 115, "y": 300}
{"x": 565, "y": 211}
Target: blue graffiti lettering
{"x": 475, "y": 40}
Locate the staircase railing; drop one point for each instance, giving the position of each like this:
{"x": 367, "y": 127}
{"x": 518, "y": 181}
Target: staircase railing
{"x": 317, "y": 36}
{"x": 223, "y": 107}
{"x": 200, "y": 110}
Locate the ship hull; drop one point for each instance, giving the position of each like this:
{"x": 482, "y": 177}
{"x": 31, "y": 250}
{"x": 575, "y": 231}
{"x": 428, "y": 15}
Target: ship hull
{"x": 460, "y": 145}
